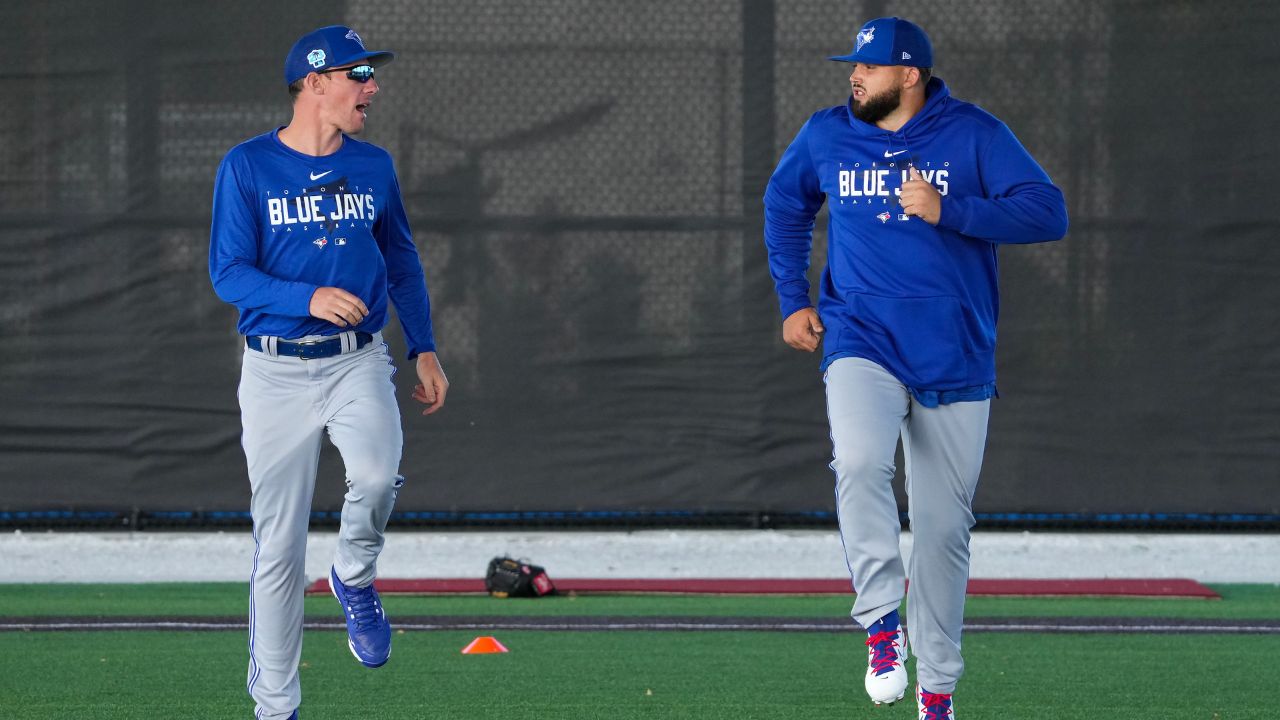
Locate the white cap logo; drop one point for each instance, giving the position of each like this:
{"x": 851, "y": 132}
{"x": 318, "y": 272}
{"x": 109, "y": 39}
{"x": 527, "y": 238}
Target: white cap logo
{"x": 316, "y": 58}
{"x": 351, "y": 35}
{"x": 906, "y": 56}
{"x": 864, "y": 37}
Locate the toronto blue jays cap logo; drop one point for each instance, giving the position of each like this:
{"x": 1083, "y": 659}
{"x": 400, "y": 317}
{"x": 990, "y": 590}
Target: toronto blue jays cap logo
{"x": 316, "y": 58}
{"x": 864, "y": 37}
{"x": 351, "y": 35}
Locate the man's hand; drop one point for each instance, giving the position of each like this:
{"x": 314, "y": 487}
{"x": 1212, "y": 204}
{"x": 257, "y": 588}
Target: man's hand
{"x": 337, "y": 306}
{"x": 921, "y": 199}
{"x": 802, "y": 329}
{"x": 434, "y": 384}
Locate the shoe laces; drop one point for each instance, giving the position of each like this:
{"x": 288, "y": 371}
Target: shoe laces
{"x": 363, "y": 605}
{"x": 884, "y": 651}
{"x": 937, "y": 706}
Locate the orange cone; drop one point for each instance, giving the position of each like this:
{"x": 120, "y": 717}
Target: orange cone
{"x": 484, "y": 644}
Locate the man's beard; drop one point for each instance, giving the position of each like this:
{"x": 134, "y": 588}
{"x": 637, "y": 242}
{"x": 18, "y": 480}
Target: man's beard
{"x": 876, "y": 108}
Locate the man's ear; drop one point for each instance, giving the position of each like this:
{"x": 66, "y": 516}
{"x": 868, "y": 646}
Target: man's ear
{"x": 912, "y": 78}
{"x": 314, "y": 83}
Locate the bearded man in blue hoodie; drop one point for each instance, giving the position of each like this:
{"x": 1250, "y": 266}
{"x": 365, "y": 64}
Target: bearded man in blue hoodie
{"x": 922, "y": 189}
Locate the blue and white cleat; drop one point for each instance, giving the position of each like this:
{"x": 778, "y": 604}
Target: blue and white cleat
{"x": 368, "y": 632}
{"x": 934, "y": 706}
{"x": 886, "y": 680}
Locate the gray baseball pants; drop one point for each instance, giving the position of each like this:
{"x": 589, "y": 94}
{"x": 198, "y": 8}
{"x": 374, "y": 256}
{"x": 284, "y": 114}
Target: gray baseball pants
{"x": 942, "y": 447}
{"x": 286, "y": 405}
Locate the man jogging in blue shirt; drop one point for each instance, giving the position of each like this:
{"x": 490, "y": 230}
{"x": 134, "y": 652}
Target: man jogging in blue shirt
{"x": 922, "y": 189}
{"x": 309, "y": 241}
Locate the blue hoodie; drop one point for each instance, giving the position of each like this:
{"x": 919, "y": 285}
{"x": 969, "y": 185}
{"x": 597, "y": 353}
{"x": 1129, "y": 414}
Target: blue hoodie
{"x": 286, "y": 224}
{"x": 921, "y": 301}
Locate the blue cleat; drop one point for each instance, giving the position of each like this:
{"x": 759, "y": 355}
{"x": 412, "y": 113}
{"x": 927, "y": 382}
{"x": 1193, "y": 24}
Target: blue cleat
{"x": 368, "y": 632}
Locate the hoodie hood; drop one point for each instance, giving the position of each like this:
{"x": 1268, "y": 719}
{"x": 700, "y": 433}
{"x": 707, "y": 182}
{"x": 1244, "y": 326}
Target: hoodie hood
{"x": 936, "y": 97}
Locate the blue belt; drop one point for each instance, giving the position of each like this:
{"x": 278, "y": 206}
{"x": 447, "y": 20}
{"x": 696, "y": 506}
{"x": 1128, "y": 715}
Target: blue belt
{"x": 309, "y": 350}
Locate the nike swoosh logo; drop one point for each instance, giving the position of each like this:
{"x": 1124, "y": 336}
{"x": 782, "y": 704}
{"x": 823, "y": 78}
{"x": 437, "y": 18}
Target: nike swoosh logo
{"x": 886, "y": 154}
{"x": 315, "y": 177}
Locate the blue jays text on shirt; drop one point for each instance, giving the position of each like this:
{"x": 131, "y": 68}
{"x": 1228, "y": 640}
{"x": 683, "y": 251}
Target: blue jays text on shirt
{"x": 331, "y": 211}
{"x": 873, "y": 182}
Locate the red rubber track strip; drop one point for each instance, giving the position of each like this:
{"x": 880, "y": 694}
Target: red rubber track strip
{"x": 1102, "y": 587}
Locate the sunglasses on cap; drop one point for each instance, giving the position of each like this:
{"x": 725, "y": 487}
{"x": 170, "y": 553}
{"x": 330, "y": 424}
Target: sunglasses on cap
{"x": 359, "y": 73}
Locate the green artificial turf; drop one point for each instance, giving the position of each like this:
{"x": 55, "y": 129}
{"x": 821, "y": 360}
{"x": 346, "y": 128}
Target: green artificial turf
{"x": 1239, "y": 602}
{"x": 633, "y": 674}
{"x": 624, "y": 675}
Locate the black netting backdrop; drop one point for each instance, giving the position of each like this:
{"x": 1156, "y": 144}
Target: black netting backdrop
{"x": 584, "y": 180}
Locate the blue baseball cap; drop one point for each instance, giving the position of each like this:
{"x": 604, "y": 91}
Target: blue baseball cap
{"x": 332, "y": 46}
{"x": 890, "y": 41}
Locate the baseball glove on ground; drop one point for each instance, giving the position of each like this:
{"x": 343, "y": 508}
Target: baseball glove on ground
{"x": 511, "y": 578}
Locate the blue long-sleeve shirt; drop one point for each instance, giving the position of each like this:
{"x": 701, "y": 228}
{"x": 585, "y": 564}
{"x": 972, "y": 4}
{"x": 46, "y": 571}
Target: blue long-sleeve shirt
{"x": 921, "y": 301}
{"x": 286, "y": 224}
